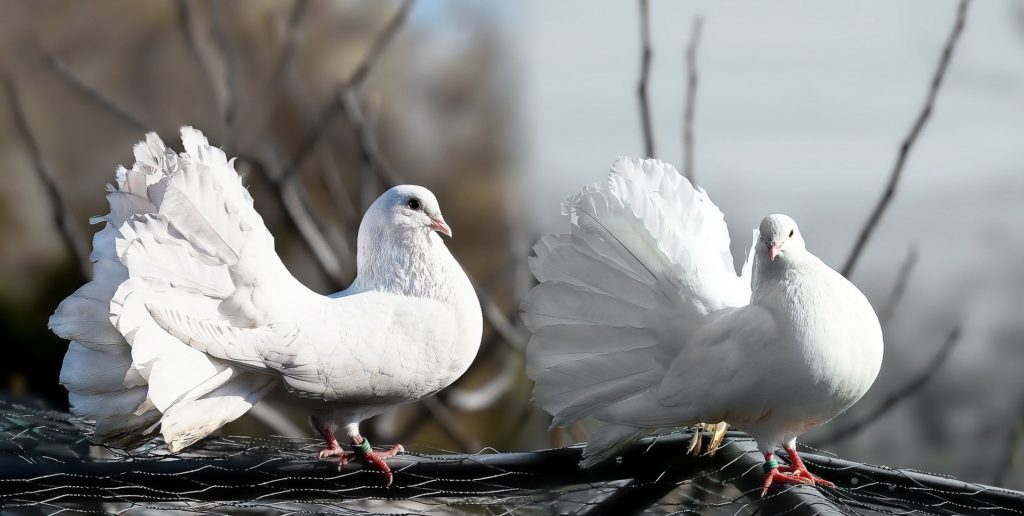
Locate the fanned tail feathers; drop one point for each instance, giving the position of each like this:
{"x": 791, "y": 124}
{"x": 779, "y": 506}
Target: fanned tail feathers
{"x": 176, "y": 234}
{"x": 647, "y": 258}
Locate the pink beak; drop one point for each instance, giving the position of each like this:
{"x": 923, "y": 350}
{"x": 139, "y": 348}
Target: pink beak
{"x": 440, "y": 226}
{"x": 774, "y": 248}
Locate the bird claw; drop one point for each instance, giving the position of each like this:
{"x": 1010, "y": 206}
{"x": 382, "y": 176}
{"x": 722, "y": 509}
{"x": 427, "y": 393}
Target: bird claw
{"x": 376, "y": 460}
{"x": 792, "y": 475}
{"x": 373, "y": 459}
{"x": 327, "y": 453}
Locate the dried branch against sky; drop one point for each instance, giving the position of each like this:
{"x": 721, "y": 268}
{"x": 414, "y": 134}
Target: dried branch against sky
{"x": 645, "y": 71}
{"x": 690, "y": 108}
{"x": 911, "y": 138}
{"x": 899, "y": 287}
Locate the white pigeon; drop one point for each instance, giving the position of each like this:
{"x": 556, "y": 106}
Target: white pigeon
{"x": 641, "y": 322}
{"x": 192, "y": 317}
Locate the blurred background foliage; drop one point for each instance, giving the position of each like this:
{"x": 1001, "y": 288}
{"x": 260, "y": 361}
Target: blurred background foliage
{"x": 503, "y": 109}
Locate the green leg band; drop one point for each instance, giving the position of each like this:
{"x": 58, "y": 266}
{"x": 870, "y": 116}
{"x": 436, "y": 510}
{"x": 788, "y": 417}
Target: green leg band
{"x": 770, "y": 465}
{"x": 364, "y": 447}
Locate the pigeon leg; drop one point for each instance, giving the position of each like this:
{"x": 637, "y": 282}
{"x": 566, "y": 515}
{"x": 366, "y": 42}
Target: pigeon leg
{"x": 333, "y": 449}
{"x": 795, "y": 473}
{"x": 372, "y": 457}
{"x": 774, "y": 476}
{"x": 798, "y": 468}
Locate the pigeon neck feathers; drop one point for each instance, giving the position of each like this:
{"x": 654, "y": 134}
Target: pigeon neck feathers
{"x": 404, "y": 261}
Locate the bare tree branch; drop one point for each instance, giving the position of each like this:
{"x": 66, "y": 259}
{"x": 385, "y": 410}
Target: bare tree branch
{"x": 230, "y": 54}
{"x": 691, "y": 98}
{"x": 330, "y": 177}
{"x": 899, "y": 288}
{"x": 370, "y": 152}
{"x": 502, "y": 324}
{"x": 908, "y": 142}
{"x": 379, "y": 45}
{"x": 94, "y": 95}
{"x": 345, "y": 100}
{"x": 262, "y": 106}
{"x": 216, "y": 82}
{"x": 72, "y": 239}
{"x": 293, "y": 36}
{"x": 645, "y": 70}
{"x": 290, "y": 194}
{"x": 315, "y": 135}
{"x": 897, "y": 396}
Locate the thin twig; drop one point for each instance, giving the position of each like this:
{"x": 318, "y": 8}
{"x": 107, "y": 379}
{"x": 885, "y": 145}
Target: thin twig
{"x": 94, "y": 95}
{"x": 345, "y": 100}
{"x": 297, "y": 210}
{"x": 379, "y": 45}
{"x": 73, "y": 240}
{"x": 367, "y": 140}
{"x": 645, "y": 70}
{"x": 330, "y": 176}
{"x": 502, "y": 324}
{"x": 263, "y": 102}
{"x": 899, "y": 288}
{"x": 908, "y": 142}
{"x": 230, "y": 54}
{"x": 899, "y": 395}
{"x": 186, "y": 20}
{"x": 691, "y": 97}
{"x": 315, "y": 135}
{"x": 293, "y": 36}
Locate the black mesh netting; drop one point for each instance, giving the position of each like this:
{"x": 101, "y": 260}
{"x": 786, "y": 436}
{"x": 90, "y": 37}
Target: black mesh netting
{"x": 47, "y": 466}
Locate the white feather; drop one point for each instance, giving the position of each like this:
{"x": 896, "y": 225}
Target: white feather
{"x": 192, "y": 317}
{"x": 641, "y": 321}
{"x": 644, "y": 247}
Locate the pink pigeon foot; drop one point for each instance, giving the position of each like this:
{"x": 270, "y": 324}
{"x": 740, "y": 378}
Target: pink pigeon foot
{"x": 375, "y": 458}
{"x": 362, "y": 449}
{"x": 796, "y": 473}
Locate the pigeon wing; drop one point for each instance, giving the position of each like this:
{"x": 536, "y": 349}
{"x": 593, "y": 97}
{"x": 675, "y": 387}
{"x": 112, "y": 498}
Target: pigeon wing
{"x": 355, "y": 347}
{"x": 646, "y": 260}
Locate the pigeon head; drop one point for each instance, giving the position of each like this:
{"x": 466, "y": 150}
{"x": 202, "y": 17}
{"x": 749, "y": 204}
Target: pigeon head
{"x": 411, "y": 208}
{"x": 779, "y": 237}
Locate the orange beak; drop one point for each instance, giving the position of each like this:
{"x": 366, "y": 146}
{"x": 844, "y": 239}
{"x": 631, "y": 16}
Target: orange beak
{"x": 439, "y": 225}
{"x": 774, "y": 248}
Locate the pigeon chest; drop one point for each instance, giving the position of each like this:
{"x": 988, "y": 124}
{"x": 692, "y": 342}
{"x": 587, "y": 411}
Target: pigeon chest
{"x": 835, "y": 335}
{"x": 403, "y": 356}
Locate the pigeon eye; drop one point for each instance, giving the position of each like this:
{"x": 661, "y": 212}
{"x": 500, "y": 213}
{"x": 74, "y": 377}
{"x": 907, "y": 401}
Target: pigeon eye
{"x": 791, "y": 233}
{"x": 413, "y": 204}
